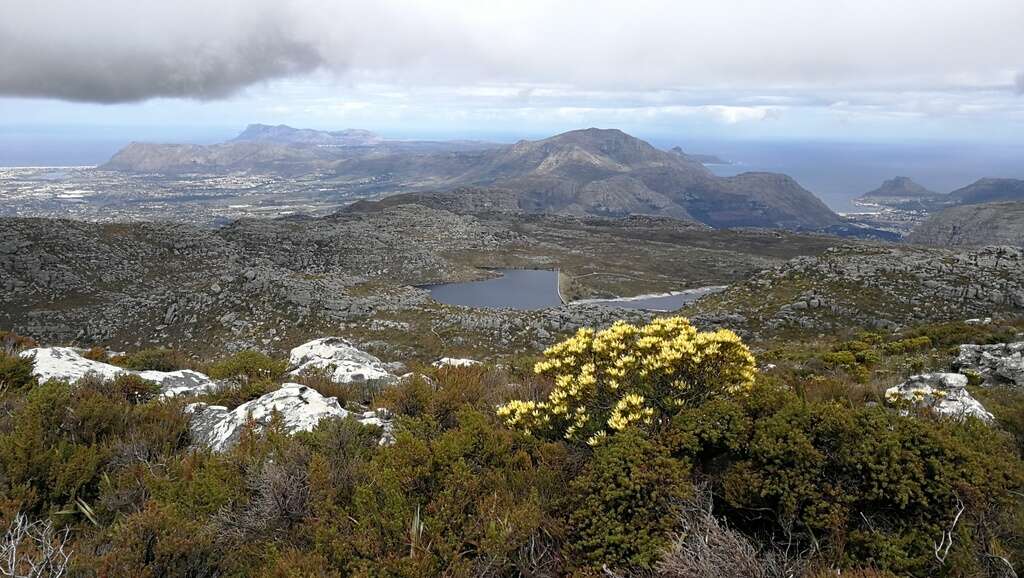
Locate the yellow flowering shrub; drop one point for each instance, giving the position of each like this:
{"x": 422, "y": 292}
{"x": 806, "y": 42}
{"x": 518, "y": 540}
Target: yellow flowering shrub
{"x": 607, "y": 380}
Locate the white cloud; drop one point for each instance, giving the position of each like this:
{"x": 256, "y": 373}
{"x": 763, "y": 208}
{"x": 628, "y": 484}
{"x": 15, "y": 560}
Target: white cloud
{"x": 735, "y": 114}
{"x": 126, "y": 50}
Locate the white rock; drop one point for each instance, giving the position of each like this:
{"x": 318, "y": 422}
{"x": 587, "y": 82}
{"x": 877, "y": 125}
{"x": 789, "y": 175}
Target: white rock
{"x": 455, "y": 362}
{"x": 67, "y": 364}
{"x": 943, "y": 393}
{"x": 301, "y": 408}
{"x": 345, "y": 363}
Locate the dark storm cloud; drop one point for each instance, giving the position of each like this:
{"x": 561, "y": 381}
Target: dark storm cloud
{"x": 116, "y": 51}
{"x": 131, "y": 50}
{"x": 139, "y": 75}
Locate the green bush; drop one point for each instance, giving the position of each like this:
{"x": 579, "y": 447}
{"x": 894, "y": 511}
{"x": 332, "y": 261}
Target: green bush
{"x": 58, "y": 444}
{"x": 458, "y": 503}
{"x": 860, "y": 486}
{"x": 132, "y": 388}
{"x": 249, "y": 366}
{"x": 1007, "y": 405}
{"x": 624, "y": 504}
{"x": 845, "y": 359}
{"x": 15, "y": 372}
{"x": 909, "y": 345}
{"x": 160, "y": 541}
{"x": 157, "y": 359}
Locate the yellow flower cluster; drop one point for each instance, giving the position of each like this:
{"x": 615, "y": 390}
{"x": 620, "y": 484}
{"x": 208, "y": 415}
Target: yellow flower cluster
{"x": 627, "y": 375}
{"x": 628, "y": 411}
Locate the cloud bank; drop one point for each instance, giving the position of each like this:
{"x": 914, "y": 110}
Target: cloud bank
{"x": 110, "y": 51}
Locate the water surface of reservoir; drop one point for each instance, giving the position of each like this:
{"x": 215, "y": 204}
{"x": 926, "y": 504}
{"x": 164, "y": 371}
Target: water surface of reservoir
{"x": 515, "y": 289}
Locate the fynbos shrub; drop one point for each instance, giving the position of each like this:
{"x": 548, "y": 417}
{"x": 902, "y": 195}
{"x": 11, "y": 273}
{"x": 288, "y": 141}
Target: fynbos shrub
{"x": 608, "y": 380}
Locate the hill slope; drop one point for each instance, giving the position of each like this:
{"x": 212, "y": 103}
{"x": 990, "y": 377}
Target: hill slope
{"x": 973, "y": 225}
{"x": 608, "y": 172}
{"x": 989, "y": 191}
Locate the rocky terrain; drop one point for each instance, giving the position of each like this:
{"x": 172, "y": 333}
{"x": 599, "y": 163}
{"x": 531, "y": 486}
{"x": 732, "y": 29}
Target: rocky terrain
{"x": 997, "y": 364}
{"x": 943, "y": 393}
{"x": 301, "y": 408}
{"x": 68, "y": 364}
{"x": 973, "y": 226}
{"x": 273, "y": 283}
{"x": 880, "y": 287}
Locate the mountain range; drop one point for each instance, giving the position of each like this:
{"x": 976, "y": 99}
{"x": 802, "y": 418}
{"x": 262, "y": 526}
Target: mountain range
{"x": 284, "y": 134}
{"x": 603, "y": 172}
{"x": 904, "y": 191}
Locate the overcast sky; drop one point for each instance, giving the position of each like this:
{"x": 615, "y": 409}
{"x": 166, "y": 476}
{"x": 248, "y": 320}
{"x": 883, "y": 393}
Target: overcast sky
{"x": 829, "y": 69}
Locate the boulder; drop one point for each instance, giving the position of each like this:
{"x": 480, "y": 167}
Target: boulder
{"x": 68, "y": 364}
{"x": 998, "y": 364}
{"x": 338, "y": 357}
{"x": 301, "y": 408}
{"x": 943, "y": 393}
{"x": 455, "y": 362}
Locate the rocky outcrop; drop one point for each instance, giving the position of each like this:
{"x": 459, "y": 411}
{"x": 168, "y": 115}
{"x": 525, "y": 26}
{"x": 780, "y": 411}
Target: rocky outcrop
{"x": 68, "y": 364}
{"x": 338, "y": 358}
{"x": 879, "y": 287}
{"x": 998, "y": 364}
{"x": 973, "y": 225}
{"x": 944, "y": 393}
{"x": 300, "y": 408}
{"x": 249, "y": 285}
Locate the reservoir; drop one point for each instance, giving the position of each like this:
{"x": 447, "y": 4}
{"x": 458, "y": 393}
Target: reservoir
{"x": 538, "y": 289}
{"x": 515, "y": 289}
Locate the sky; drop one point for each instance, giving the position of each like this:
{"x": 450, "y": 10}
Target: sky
{"x": 199, "y": 70}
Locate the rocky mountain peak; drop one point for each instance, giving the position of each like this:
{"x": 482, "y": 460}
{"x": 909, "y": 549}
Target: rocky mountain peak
{"x": 900, "y": 187}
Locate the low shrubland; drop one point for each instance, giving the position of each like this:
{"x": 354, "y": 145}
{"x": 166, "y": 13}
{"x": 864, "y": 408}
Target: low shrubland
{"x": 687, "y": 462}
